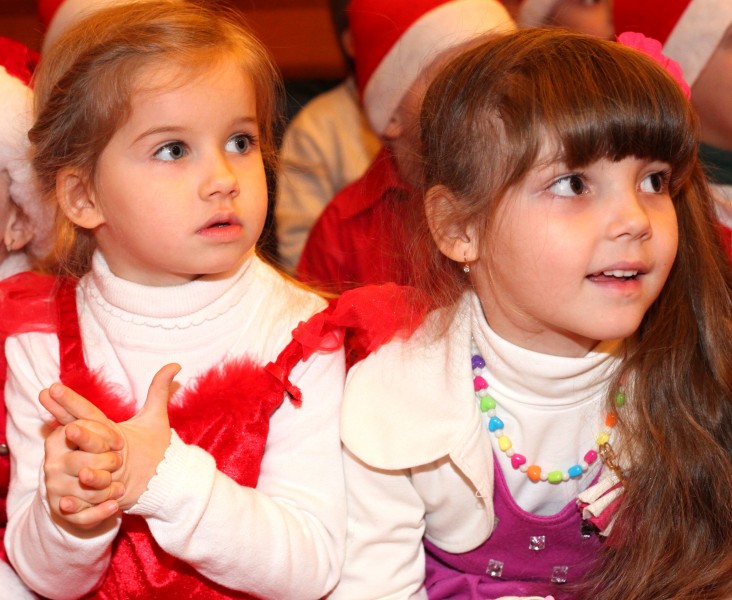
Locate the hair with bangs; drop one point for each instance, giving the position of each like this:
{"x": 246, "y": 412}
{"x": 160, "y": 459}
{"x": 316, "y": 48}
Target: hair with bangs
{"x": 485, "y": 121}
{"x": 85, "y": 83}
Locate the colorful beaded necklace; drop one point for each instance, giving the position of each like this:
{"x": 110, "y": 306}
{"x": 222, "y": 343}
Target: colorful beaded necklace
{"x": 494, "y": 424}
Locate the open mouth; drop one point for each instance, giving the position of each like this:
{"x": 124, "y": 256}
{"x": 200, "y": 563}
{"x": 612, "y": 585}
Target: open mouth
{"x": 221, "y": 221}
{"x": 222, "y": 228}
{"x": 614, "y": 275}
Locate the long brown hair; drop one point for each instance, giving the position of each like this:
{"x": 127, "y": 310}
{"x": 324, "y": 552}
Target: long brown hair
{"x": 85, "y": 82}
{"x": 484, "y": 121}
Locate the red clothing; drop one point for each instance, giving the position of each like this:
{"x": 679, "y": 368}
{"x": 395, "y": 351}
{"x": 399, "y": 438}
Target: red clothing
{"x": 233, "y": 431}
{"x": 727, "y": 240}
{"x": 359, "y": 238}
{"x": 26, "y": 306}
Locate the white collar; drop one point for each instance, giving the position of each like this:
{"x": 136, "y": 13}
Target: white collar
{"x": 403, "y": 390}
{"x": 141, "y": 303}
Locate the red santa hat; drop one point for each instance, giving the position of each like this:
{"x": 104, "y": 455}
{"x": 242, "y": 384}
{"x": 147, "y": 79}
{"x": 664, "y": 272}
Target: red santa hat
{"x": 394, "y": 40}
{"x": 16, "y": 109}
{"x": 690, "y": 30}
{"x": 534, "y": 13}
{"x": 57, "y": 16}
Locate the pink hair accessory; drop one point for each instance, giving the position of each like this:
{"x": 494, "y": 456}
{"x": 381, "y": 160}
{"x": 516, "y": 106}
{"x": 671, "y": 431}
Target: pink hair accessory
{"x": 653, "y": 48}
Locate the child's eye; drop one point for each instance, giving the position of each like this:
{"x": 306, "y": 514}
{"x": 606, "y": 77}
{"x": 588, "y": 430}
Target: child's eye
{"x": 171, "y": 151}
{"x": 655, "y": 183}
{"x": 240, "y": 143}
{"x": 569, "y": 185}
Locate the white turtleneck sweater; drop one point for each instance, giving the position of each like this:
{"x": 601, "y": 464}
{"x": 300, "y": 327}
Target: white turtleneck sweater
{"x": 419, "y": 460}
{"x": 553, "y": 410}
{"x": 283, "y": 539}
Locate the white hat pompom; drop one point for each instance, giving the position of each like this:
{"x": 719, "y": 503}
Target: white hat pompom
{"x": 16, "y": 108}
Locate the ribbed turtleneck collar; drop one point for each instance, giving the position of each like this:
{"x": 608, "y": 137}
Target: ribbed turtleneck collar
{"x": 192, "y": 302}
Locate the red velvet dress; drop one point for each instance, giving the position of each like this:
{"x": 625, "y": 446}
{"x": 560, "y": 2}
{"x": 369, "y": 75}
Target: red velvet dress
{"x": 225, "y": 411}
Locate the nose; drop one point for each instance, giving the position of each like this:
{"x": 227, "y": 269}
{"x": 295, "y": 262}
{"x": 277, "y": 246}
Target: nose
{"x": 221, "y": 179}
{"x": 629, "y": 217}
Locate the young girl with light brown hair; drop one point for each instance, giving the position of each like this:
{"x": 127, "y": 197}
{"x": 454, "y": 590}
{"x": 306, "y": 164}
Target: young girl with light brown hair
{"x": 153, "y": 135}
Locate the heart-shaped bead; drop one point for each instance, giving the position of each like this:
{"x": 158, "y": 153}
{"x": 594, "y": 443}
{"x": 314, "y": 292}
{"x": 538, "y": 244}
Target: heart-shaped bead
{"x": 517, "y": 460}
{"x": 495, "y": 423}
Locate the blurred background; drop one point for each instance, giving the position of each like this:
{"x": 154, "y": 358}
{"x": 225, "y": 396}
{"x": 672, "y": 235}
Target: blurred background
{"x": 299, "y": 33}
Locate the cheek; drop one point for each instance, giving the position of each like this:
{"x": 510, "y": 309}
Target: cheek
{"x": 253, "y": 194}
{"x": 671, "y": 243}
{"x": 666, "y": 240}
{"x": 254, "y": 184}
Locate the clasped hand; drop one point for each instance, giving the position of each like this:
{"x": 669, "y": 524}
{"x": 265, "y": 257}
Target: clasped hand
{"x": 95, "y": 467}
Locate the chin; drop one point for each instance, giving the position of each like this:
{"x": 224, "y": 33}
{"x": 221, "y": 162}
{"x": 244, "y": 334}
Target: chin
{"x": 619, "y": 332}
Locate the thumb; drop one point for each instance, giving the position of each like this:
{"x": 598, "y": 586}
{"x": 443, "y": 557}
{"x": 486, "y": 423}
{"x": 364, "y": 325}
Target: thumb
{"x": 156, "y": 403}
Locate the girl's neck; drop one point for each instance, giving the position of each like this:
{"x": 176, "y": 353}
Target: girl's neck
{"x": 545, "y": 340}
{"x": 548, "y": 379}
{"x": 14, "y": 262}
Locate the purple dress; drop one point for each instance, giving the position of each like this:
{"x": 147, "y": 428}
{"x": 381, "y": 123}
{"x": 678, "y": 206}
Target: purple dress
{"x": 526, "y": 555}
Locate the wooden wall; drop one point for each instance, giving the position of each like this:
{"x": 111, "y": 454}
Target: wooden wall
{"x": 299, "y": 33}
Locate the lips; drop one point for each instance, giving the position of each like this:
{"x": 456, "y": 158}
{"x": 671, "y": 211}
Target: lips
{"x": 221, "y": 222}
{"x": 625, "y": 272}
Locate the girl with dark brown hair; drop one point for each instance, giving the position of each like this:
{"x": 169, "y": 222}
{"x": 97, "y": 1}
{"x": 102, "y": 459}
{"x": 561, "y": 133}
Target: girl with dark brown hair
{"x": 562, "y": 421}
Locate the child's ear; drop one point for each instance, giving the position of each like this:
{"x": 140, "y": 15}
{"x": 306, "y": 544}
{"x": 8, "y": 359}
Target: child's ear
{"x": 18, "y": 230}
{"x": 455, "y": 239}
{"x": 77, "y": 199}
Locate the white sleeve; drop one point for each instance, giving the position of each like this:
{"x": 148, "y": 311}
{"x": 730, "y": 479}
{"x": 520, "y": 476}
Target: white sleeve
{"x": 284, "y": 539}
{"x": 11, "y": 584}
{"x": 304, "y": 188}
{"x": 48, "y": 559}
{"x": 384, "y": 551}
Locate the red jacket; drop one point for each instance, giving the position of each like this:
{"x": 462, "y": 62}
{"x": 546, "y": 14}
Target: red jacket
{"x": 727, "y": 240}
{"x": 359, "y": 237}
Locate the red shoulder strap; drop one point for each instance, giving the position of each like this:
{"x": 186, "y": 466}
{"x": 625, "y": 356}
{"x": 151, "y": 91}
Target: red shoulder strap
{"x": 362, "y": 320}
{"x": 26, "y": 304}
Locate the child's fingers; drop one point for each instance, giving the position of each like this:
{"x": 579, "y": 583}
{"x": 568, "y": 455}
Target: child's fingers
{"x": 62, "y": 464}
{"x": 95, "y": 479}
{"x": 75, "y": 462}
{"x": 58, "y": 412}
{"x": 72, "y": 499}
{"x": 92, "y": 436}
{"x": 86, "y": 496}
{"x": 66, "y": 405}
{"x": 82, "y": 515}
